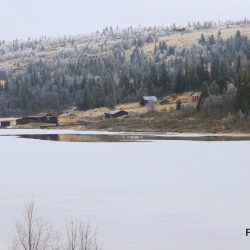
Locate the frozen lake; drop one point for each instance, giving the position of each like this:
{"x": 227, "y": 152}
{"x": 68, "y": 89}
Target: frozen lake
{"x": 158, "y": 195}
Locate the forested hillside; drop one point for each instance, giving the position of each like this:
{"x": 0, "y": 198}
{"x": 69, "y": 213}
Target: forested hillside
{"x": 117, "y": 66}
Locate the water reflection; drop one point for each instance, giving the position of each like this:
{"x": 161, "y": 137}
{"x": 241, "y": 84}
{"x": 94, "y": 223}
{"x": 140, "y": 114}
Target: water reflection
{"x": 127, "y": 138}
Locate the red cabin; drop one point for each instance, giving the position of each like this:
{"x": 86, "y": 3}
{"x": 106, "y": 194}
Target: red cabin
{"x": 179, "y": 29}
{"x": 196, "y": 97}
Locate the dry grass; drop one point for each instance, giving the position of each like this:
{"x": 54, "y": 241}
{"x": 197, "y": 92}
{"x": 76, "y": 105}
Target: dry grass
{"x": 133, "y": 108}
{"x": 174, "y": 39}
{"x": 92, "y": 113}
{"x": 164, "y": 118}
{"x": 194, "y": 36}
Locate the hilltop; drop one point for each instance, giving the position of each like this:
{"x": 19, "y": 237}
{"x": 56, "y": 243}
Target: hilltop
{"x": 18, "y": 54}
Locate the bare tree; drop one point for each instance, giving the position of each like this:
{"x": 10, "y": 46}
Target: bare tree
{"x": 81, "y": 236}
{"x": 32, "y": 232}
{"x": 72, "y": 235}
{"x": 87, "y": 237}
{"x": 151, "y": 107}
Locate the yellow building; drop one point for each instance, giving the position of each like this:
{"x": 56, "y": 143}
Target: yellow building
{"x": 68, "y": 119}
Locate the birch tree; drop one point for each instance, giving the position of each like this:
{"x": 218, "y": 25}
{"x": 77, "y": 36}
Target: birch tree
{"x": 32, "y": 231}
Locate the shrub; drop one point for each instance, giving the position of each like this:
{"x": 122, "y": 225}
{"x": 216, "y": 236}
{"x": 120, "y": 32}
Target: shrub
{"x": 178, "y": 105}
{"x": 187, "y": 108}
{"x": 229, "y": 97}
{"x": 229, "y": 120}
{"x": 242, "y": 117}
{"x": 151, "y": 107}
{"x": 212, "y": 105}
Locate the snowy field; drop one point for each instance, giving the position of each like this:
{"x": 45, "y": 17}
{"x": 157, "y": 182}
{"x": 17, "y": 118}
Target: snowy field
{"x": 178, "y": 195}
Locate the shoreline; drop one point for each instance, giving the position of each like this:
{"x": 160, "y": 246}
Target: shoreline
{"x": 73, "y": 131}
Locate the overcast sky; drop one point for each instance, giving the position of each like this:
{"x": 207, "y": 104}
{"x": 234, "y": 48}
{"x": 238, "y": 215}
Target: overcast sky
{"x": 34, "y": 18}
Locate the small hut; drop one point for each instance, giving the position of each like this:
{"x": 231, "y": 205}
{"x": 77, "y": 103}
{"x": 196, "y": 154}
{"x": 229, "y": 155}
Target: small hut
{"x": 41, "y": 118}
{"x": 164, "y": 102}
{"x": 179, "y": 29}
{"x": 8, "y": 122}
{"x": 196, "y": 97}
{"x": 115, "y": 113}
{"x": 5, "y": 124}
{"x": 148, "y": 100}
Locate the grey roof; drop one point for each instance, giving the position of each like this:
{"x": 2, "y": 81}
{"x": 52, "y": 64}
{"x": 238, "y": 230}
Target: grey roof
{"x": 150, "y": 98}
{"x": 115, "y": 111}
{"x": 42, "y": 114}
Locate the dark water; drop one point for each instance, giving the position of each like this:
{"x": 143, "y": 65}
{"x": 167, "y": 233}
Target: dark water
{"x": 127, "y": 138}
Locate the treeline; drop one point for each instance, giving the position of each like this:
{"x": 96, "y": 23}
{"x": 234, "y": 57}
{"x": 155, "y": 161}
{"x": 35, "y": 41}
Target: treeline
{"x": 118, "y": 69}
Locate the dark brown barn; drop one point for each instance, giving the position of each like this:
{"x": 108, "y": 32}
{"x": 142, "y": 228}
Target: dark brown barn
{"x": 115, "y": 114}
{"x": 179, "y": 29}
{"x": 42, "y": 118}
{"x": 164, "y": 102}
{"x": 4, "y": 124}
{"x": 7, "y": 122}
{"x": 22, "y": 121}
{"x": 50, "y": 119}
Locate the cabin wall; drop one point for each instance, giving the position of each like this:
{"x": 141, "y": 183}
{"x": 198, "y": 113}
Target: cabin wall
{"x": 8, "y": 123}
{"x": 4, "y": 124}
{"x": 37, "y": 119}
{"x": 116, "y": 115}
{"x": 122, "y": 113}
{"x": 143, "y": 102}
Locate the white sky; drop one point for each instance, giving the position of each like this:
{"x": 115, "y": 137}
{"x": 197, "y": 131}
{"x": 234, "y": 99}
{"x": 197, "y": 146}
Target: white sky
{"x": 34, "y": 18}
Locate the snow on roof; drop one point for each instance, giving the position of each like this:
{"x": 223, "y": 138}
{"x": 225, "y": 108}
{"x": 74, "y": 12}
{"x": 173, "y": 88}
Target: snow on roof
{"x": 196, "y": 94}
{"x": 43, "y": 114}
{"x": 8, "y": 119}
{"x": 150, "y": 98}
{"x": 115, "y": 111}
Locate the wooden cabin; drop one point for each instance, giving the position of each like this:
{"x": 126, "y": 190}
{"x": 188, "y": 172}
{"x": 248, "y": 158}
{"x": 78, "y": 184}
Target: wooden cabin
{"x": 22, "y": 121}
{"x": 196, "y": 97}
{"x": 7, "y": 122}
{"x": 148, "y": 100}
{"x": 115, "y": 114}
{"x": 164, "y": 102}
{"x": 179, "y": 29}
{"x": 50, "y": 118}
{"x": 41, "y": 118}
